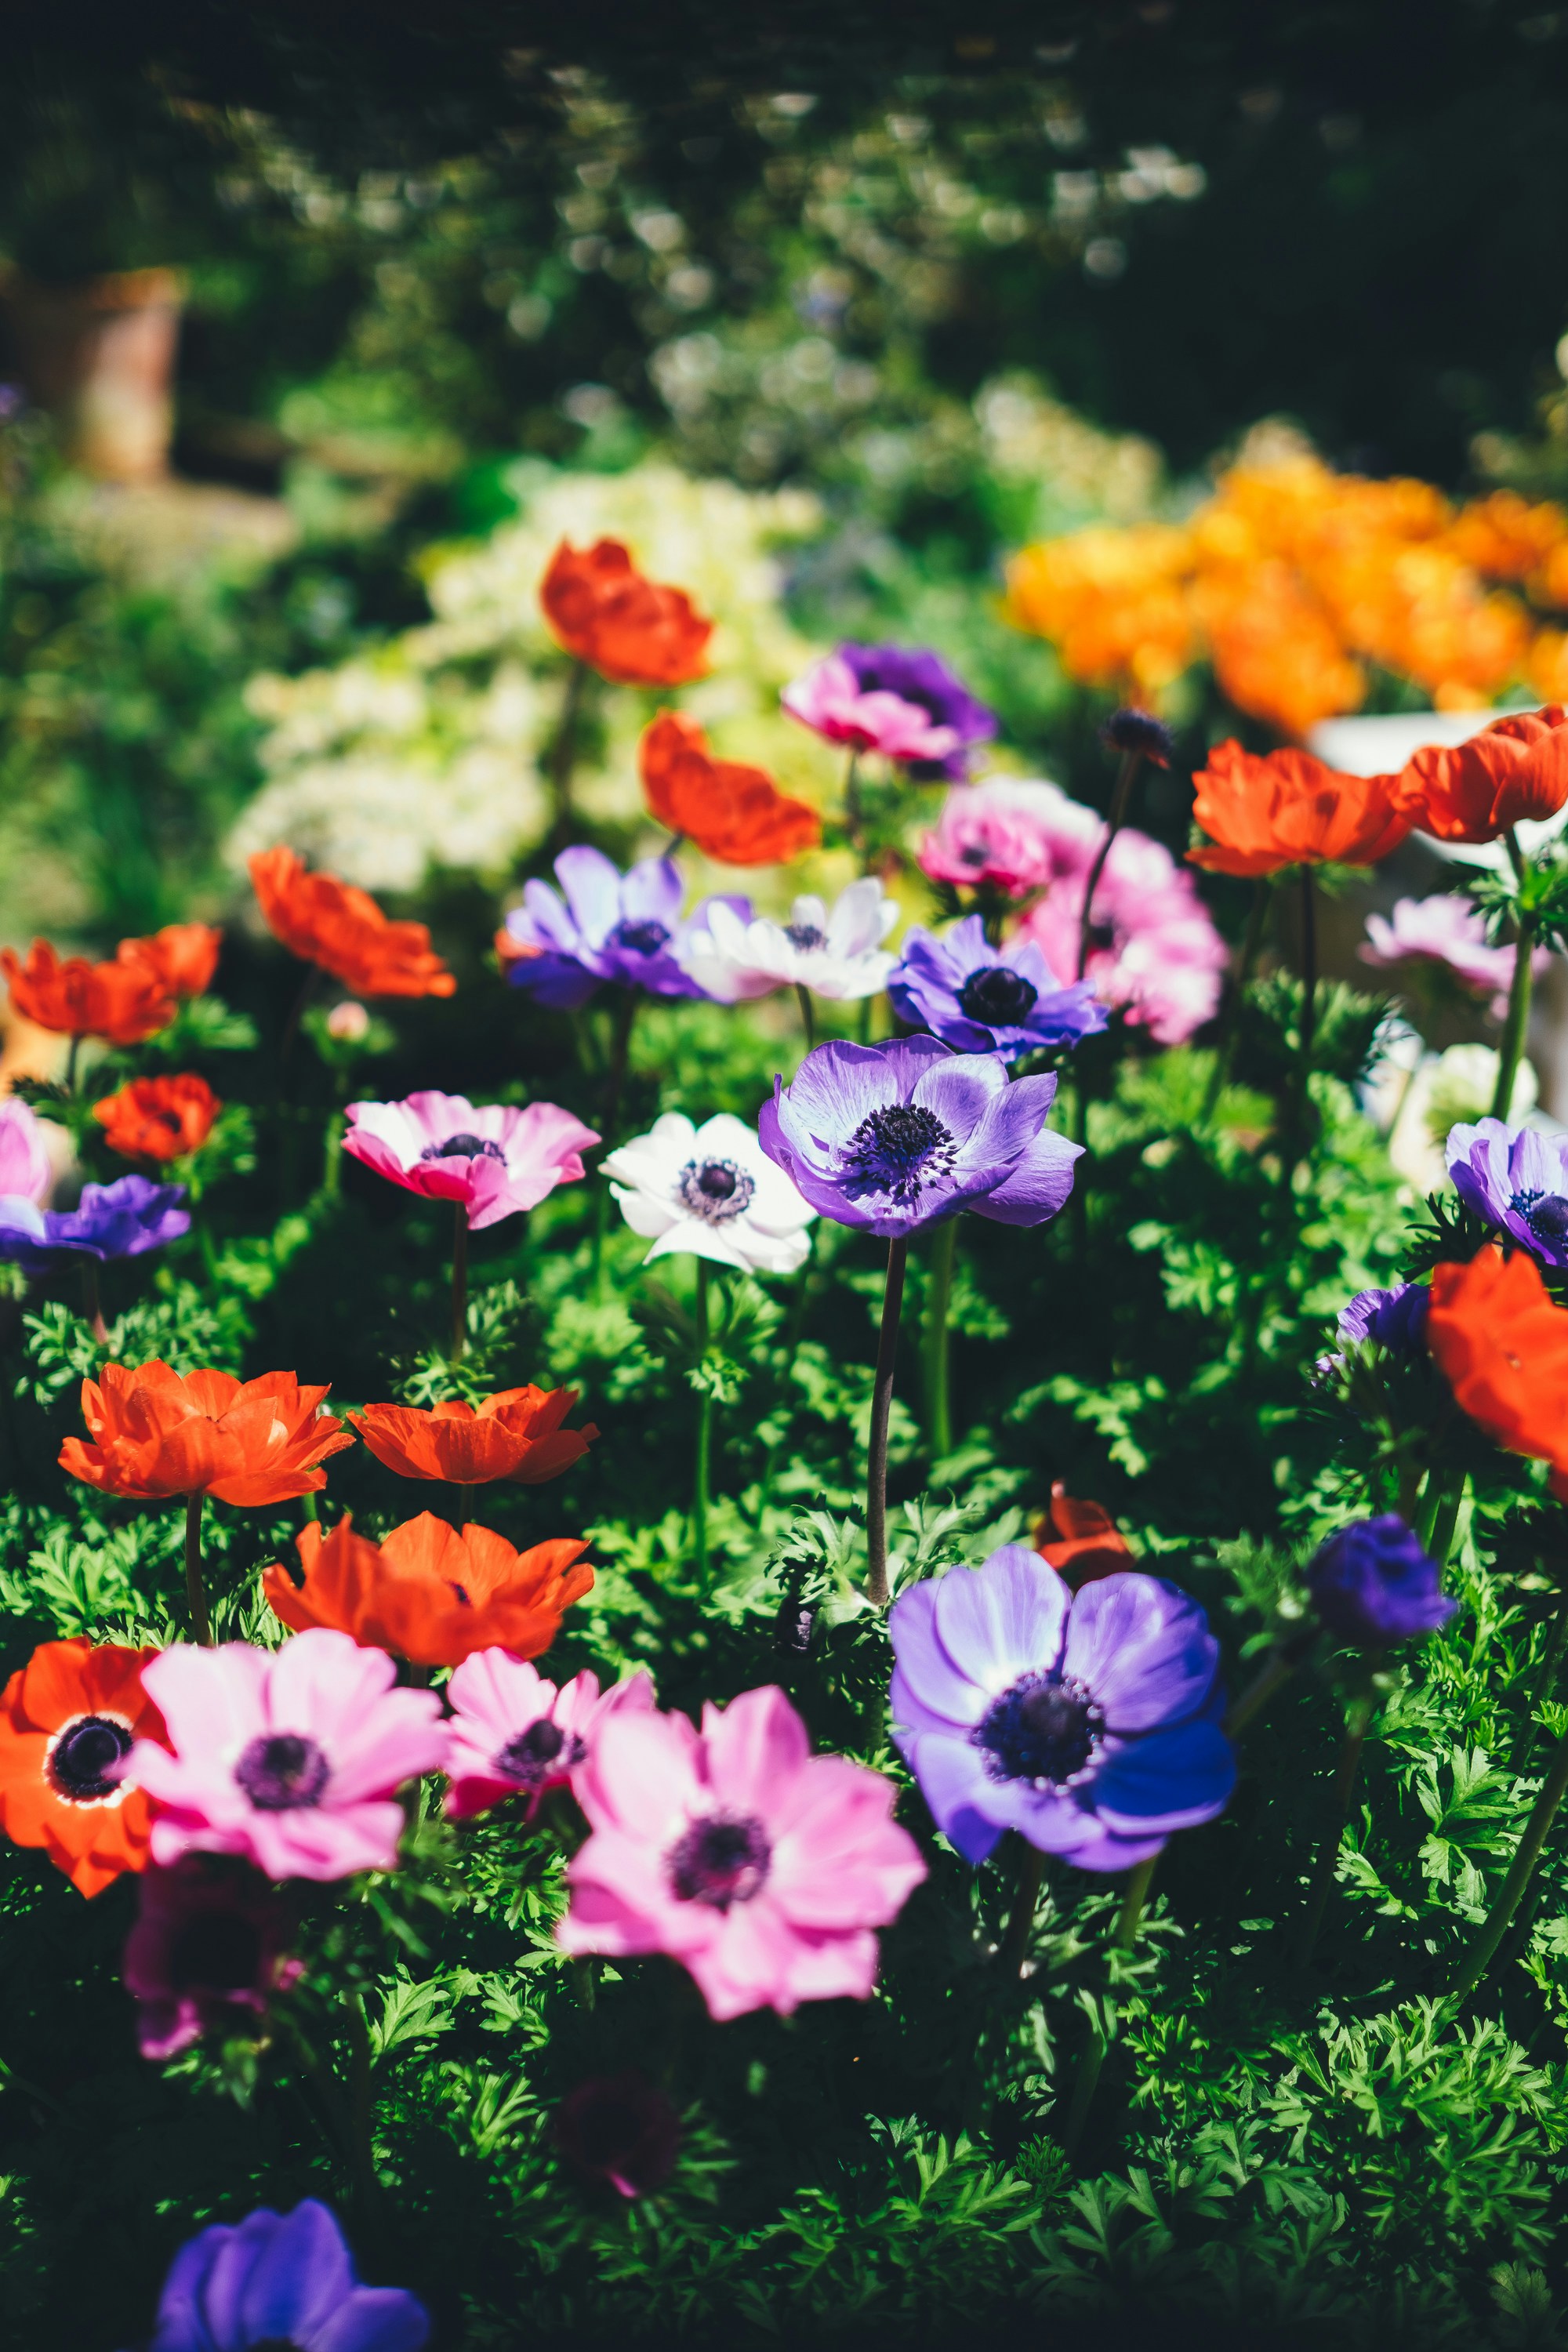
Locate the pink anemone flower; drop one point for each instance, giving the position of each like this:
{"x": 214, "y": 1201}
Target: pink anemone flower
{"x": 515, "y": 1735}
{"x": 1012, "y": 834}
{"x": 491, "y": 1158}
{"x": 25, "y": 1173}
{"x": 291, "y": 1757}
{"x": 1153, "y": 950}
{"x": 830, "y": 700}
{"x": 1449, "y": 930}
{"x": 761, "y": 1868}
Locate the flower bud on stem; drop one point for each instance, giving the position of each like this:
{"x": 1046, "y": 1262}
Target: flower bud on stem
{"x": 881, "y": 1407}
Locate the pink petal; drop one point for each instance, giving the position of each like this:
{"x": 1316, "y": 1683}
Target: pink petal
{"x": 753, "y": 1748}
{"x": 642, "y": 1777}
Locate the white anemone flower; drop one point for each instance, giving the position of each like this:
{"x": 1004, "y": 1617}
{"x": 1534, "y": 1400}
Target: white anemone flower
{"x": 839, "y": 955}
{"x": 710, "y": 1192}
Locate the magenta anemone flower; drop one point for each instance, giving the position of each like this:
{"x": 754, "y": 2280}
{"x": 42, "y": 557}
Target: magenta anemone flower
{"x": 515, "y": 1735}
{"x": 493, "y": 1157}
{"x": 620, "y": 2129}
{"x": 893, "y": 1138}
{"x": 291, "y": 1757}
{"x": 1087, "y": 1721}
{"x": 761, "y": 1868}
{"x": 280, "y": 2283}
{"x": 1010, "y": 834}
{"x": 207, "y": 1953}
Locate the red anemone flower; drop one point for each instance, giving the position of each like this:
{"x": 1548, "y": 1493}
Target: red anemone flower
{"x": 68, "y": 1719}
{"x": 121, "y": 1002}
{"x": 158, "y": 1119}
{"x": 342, "y": 929}
{"x": 184, "y": 956}
{"x": 1502, "y": 1346}
{"x": 1088, "y": 1543}
{"x": 731, "y": 812}
{"x": 515, "y": 1434}
{"x": 1515, "y": 768}
{"x": 630, "y": 630}
{"x": 156, "y": 1433}
{"x": 1288, "y": 808}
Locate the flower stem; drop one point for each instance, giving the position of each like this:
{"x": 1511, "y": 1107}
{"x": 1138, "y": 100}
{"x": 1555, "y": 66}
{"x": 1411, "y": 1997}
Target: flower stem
{"x": 1516, "y": 1024}
{"x": 1321, "y": 1885}
{"x": 808, "y": 1012}
{"x": 91, "y": 1301}
{"x": 1550, "y": 1665}
{"x": 1277, "y": 1667}
{"x": 1523, "y": 1869}
{"x": 852, "y": 826}
{"x": 564, "y": 752}
{"x": 1252, "y": 940}
{"x": 881, "y": 1407}
{"x": 620, "y": 1049}
{"x": 332, "y": 1156}
{"x": 939, "y": 1416}
{"x": 71, "y": 1052}
{"x": 1086, "y": 2080}
{"x": 1309, "y": 975}
{"x": 704, "y": 1429}
{"x": 1021, "y": 1918}
{"x": 459, "y": 1280}
{"x": 196, "y": 1587}
{"x": 1131, "y": 761}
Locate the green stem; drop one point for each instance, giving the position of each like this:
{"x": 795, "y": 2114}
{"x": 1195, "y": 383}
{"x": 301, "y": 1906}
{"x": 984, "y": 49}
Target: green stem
{"x": 1086, "y": 2080}
{"x": 808, "y": 1012}
{"x": 332, "y": 1156}
{"x": 794, "y": 1333}
{"x": 196, "y": 1586}
{"x": 1523, "y": 1869}
{"x": 459, "y": 1280}
{"x": 1446, "y": 1518}
{"x": 1276, "y": 1668}
{"x": 1021, "y": 1918}
{"x": 1252, "y": 940}
{"x": 71, "y": 1052}
{"x": 939, "y": 1293}
{"x": 1345, "y": 1774}
{"x": 620, "y": 1051}
{"x": 1516, "y": 1024}
{"x": 1550, "y": 1665}
{"x": 852, "y": 820}
{"x": 93, "y": 1302}
{"x": 704, "y": 1429}
{"x": 1119, "y": 800}
{"x": 881, "y": 1407}
{"x": 1309, "y": 975}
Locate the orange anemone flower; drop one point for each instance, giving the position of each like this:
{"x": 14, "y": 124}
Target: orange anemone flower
{"x": 600, "y": 608}
{"x": 333, "y": 924}
{"x": 515, "y": 1434}
{"x": 1515, "y": 768}
{"x": 121, "y": 1002}
{"x": 68, "y": 1719}
{"x": 1284, "y": 808}
{"x": 158, "y": 1119}
{"x": 155, "y": 1433}
{"x": 1502, "y": 1346}
{"x": 735, "y": 813}
{"x": 184, "y": 956}
{"x": 430, "y": 1595}
{"x": 1090, "y": 1543}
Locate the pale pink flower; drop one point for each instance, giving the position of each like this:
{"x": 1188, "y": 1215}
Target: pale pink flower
{"x": 831, "y": 701}
{"x": 493, "y": 1156}
{"x": 289, "y": 1756}
{"x": 1450, "y": 931}
{"x": 25, "y": 1171}
{"x": 1153, "y": 947}
{"x": 761, "y": 1868}
{"x": 515, "y": 1735}
{"x": 1012, "y": 834}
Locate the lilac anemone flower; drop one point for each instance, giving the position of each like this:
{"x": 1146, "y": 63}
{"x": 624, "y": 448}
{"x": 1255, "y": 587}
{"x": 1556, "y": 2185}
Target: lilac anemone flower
{"x": 281, "y": 2280}
{"x": 919, "y": 677}
{"x": 1394, "y": 1320}
{"x": 118, "y": 1220}
{"x": 984, "y": 999}
{"x": 1087, "y": 1721}
{"x": 1517, "y": 1177}
{"x": 1374, "y": 1583}
{"x": 894, "y": 1137}
{"x": 603, "y": 926}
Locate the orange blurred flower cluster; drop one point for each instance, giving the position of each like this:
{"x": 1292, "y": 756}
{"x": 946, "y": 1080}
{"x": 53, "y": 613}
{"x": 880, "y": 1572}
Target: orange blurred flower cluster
{"x": 1294, "y": 582}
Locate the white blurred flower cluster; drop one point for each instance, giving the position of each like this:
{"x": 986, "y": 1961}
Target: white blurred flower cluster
{"x": 426, "y": 753}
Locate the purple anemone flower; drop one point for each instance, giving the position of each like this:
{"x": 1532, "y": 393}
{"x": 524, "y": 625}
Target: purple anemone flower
{"x": 983, "y": 1000}
{"x": 118, "y": 1220}
{"x": 285, "y": 2281}
{"x": 1372, "y": 1583}
{"x": 207, "y": 1952}
{"x": 917, "y": 676}
{"x": 893, "y": 1138}
{"x": 1517, "y": 1177}
{"x": 603, "y": 926}
{"x": 1087, "y": 1721}
{"x": 1394, "y": 1320}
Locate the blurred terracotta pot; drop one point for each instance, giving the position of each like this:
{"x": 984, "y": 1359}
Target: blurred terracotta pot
{"x": 99, "y": 355}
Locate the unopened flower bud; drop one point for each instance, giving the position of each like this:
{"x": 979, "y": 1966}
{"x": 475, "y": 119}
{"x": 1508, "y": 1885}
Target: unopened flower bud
{"x": 1140, "y": 732}
{"x": 1374, "y": 1583}
{"x": 349, "y": 1022}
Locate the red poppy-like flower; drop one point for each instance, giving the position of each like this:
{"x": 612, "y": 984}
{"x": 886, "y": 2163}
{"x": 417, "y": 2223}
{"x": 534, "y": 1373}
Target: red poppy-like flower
{"x": 600, "y": 608}
{"x": 1285, "y": 808}
{"x": 429, "y": 1593}
{"x": 515, "y": 1434}
{"x": 121, "y": 1002}
{"x": 184, "y": 956}
{"x": 1515, "y": 768}
{"x": 68, "y": 1719}
{"x": 155, "y": 1433}
{"x": 329, "y": 923}
{"x": 158, "y": 1119}
{"x": 1502, "y": 1346}
{"x": 1088, "y": 1543}
{"x": 733, "y": 813}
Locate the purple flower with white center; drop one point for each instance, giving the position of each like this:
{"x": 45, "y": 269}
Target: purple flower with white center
{"x": 118, "y": 1220}
{"x": 1394, "y": 1320}
{"x": 1372, "y": 1583}
{"x": 1089, "y": 1722}
{"x": 1517, "y": 1177}
{"x": 919, "y": 677}
{"x": 281, "y": 2282}
{"x": 984, "y": 999}
{"x": 893, "y": 1138}
{"x": 603, "y": 925}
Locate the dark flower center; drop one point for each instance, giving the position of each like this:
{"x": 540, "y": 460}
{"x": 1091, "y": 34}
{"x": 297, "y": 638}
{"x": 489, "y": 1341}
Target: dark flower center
{"x": 1546, "y": 1214}
{"x": 280, "y": 1771}
{"x": 86, "y": 1758}
{"x": 715, "y": 1190}
{"x": 897, "y": 1151}
{"x": 527, "y": 1758}
{"x": 804, "y": 935}
{"x": 463, "y": 1146}
{"x": 974, "y": 853}
{"x": 720, "y": 1860}
{"x": 1045, "y": 1728}
{"x": 218, "y": 1949}
{"x": 995, "y": 995}
{"x": 643, "y": 938}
